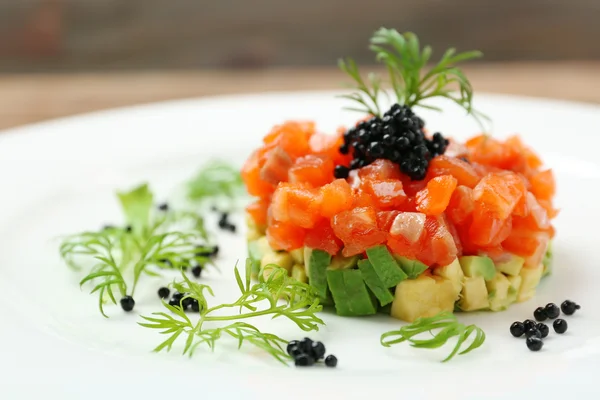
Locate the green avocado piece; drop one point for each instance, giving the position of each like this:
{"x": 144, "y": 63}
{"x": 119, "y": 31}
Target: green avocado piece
{"x": 386, "y": 267}
{"x": 316, "y": 263}
{"x": 298, "y": 255}
{"x": 548, "y": 260}
{"x": 370, "y": 277}
{"x": 515, "y": 287}
{"x": 257, "y": 249}
{"x": 453, "y": 272}
{"x": 474, "y": 266}
{"x": 412, "y": 268}
{"x": 511, "y": 267}
{"x": 474, "y": 295}
{"x": 299, "y": 273}
{"x": 340, "y": 262}
{"x": 498, "y": 292}
{"x": 349, "y": 292}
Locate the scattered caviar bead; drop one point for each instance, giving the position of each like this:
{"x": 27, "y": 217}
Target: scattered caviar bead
{"x": 127, "y": 303}
{"x": 317, "y": 350}
{"x": 529, "y": 324}
{"x": 540, "y": 314}
{"x": 569, "y": 307}
{"x": 215, "y": 251}
{"x": 128, "y": 228}
{"x": 295, "y": 351}
{"x": 517, "y": 329}
{"x": 175, "y": 302}
{"x": 197, "y": 271}
{"x": 552, "y": 310}
{"x": 534, "y": 343}
{"x": 195, "y": 306}
{"x": 533, "y": 332}
{"x": 290, "y": 345}
{"x": 344, "y": 149}
{"x": 187, "y": 303}
{"x": 544, "y": 330}
{"x": 341, "y": 172}
{"x": 560, "y": 326}
{"x": 163, "y": 207}
{"x": 163, "y": 292}
{"x": 376, "y": 149}
{"x": 306, "y": 345}
{"x": 304, "y": 360}
{"x": 331, "y": 361}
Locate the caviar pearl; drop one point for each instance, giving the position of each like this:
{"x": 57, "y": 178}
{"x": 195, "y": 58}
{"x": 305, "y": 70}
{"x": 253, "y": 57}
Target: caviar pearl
{"x": 304, "y": 360}
{"x": 569, "y": 307}
{"x": 127, "y": 303}
{"x": 341, "y": 172}
{"x": 306, "y": 345}
{"x": 534, "y": 343}
{"x": 331, "y": 361}
{"x": 291, "y": 345}
{"x": 560, "y": 326}
{"x": 197, "y": 271}
{"x": 533, "y": 332}
{"x": 544, "y": 330}
{"x": 317, "y": 350}
{"x": 552, "y": 310}
{"x": 163, "y": 207}
{"x": 540, "y": 314}
{"x": 163, "y": 292}
{"x": 517, "y": 329}
{"x": 529, "y": 324}
{"x": 195, "y": 305}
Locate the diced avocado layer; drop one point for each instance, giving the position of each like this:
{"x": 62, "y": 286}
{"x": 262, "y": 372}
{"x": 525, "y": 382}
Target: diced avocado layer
{"x": 412, "y": 268}
{"x": 370, "y": 277}
{"x": 511, "y": 267}
{"x": 515, "y": 286}
{"x": 498, "y": 292}
{"x": 386, "y": 267}
{"x": 316, "y": 262}
{"x": 299, "y": 273}
{"x": 530, "y": 279}
{"x": 453, "y": 272}
{"x": 425, "y": 296}
{"x": 474, "y": 295}
{"x": 340, "y": 262}
{"x": 474, "y": 266}
{"x": 350, "y": 293}
{"x": 548, "y": 260}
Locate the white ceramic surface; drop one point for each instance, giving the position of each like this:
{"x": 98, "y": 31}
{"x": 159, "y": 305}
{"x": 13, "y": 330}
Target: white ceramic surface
{"x": 59, "y": 177}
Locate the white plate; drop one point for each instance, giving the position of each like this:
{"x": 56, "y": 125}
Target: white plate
{"x": 59, "y": 177}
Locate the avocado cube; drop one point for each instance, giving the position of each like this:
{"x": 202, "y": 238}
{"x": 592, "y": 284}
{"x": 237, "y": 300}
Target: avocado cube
{"x": 281, "y": 259}
{"x": 412, "y": 268}
{"x": 385, "y": 266}
{"x": 548, "y": 260}
{"x": 299, "y": 274}
{"x": 498, "y": 292}
{"x": 373, "y": 282}
{"x": 316, "y": 263}
{"x": 530, "y": 279}
{"x": 515, "y": 286}
{"x": 298, "y": 255}
{"x": 349, "y": 292}
{"x": 511, "y": 267}
{"x": 453, "y": 272}
{"x": 474, "y": 295}
{"x": 474, "y": 266}
{"x": 340, "y": 262}
{"x": 424, "y": 296}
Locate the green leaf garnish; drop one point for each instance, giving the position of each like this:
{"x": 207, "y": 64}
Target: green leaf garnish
{"x": 119, "y": 258}
{"x": 275, "y": 294}
{"x": 217, "y": 180}
{"x": 445, "y": 326}
{"x": 412, "y": 85}
{"x": 137, "y": 204}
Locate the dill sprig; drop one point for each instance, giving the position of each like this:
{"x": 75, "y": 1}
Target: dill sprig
{"x": 218, "y": 181}
{"x": 118, "y": 257}
{"x": 275, "y": 294}
{"x": 412, "y": 85}
{"x": 445, "y": 326}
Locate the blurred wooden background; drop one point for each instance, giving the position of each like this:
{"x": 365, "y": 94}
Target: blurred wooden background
{"x": 92, "y": 35}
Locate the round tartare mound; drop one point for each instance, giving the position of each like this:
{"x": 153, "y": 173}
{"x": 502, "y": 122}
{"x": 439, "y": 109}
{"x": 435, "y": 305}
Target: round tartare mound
{"x": 474, "y": 234}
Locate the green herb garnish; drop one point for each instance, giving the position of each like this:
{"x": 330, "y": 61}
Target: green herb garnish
{"x": 274, "y": 294}
{"x": 412, "y": 85}
{"x": 119, "y": 257}
{"x": 445, "y": 326}
{"x": 218, "y": 181}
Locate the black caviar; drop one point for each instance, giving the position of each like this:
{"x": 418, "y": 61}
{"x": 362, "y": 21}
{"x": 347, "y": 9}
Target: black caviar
{"x": 529, "y": 324}
{"x": 552, "y": 310}
{"x": 534, "y": 343}
{"x": 533, "y": 332}
{"x": 569, "y": 307}
{"x": 163, "y": 207}
{"x": 544, "y": 330}
{"x": 307, "y": 352}
{"x": 517, "y": 329}
{"x": 331, "y": 361}
{"x": 398, "y": 136}
{"x": 163, "y": 292}
{"x": 225, "y": 224}
{"x": 127, "y": 303}
{"x": 197, "y": 271}
{"x": 540, "y": 314}
{"x": 560, "y": 326}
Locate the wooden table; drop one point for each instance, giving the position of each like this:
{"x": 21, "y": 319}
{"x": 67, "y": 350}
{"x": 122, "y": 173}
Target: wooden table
{"x": 31, "y": 98}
